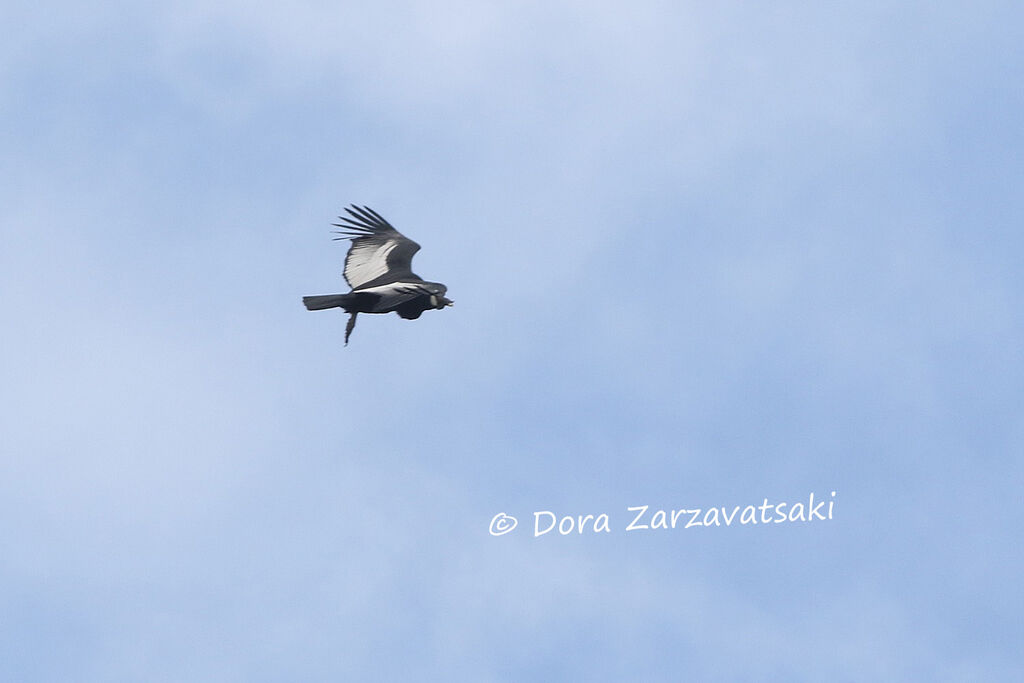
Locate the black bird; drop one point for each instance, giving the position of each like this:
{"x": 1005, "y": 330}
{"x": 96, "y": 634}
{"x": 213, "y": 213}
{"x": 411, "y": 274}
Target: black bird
{"x": 378, "y": 268}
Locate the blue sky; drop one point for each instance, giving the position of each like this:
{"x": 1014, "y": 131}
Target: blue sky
{"x": 701, "y": 256}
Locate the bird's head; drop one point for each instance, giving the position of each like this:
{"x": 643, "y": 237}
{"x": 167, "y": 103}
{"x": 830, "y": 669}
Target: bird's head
{"x": 438, "y": 300}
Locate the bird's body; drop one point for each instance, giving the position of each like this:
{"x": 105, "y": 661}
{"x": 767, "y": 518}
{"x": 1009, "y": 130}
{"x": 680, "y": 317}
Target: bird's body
{"x": 378, "y": 268}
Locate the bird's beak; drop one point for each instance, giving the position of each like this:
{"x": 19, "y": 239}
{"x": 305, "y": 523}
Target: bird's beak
{"x": 450, "y": 303}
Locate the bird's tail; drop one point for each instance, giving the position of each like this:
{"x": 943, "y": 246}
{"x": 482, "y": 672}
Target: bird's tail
{"x": 322, "y": 301}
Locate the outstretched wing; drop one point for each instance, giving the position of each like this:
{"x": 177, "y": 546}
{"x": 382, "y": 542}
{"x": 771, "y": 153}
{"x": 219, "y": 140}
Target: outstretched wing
{"x": 379, "y": 254}
{"x": 391, "y": 295}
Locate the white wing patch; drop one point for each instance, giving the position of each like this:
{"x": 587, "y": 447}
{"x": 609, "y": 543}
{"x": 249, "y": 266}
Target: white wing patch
{"x": 367, "y": 260}
{"x": 393, "y": 293}
{"x": 395, "y": 288}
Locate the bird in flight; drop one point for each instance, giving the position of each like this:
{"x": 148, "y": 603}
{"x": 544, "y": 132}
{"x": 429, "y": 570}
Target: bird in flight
{"x": 378, "y": 268}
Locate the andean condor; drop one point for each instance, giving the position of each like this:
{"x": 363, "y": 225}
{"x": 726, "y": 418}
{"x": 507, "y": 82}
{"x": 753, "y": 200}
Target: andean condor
{"x": 378, "y": 268}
